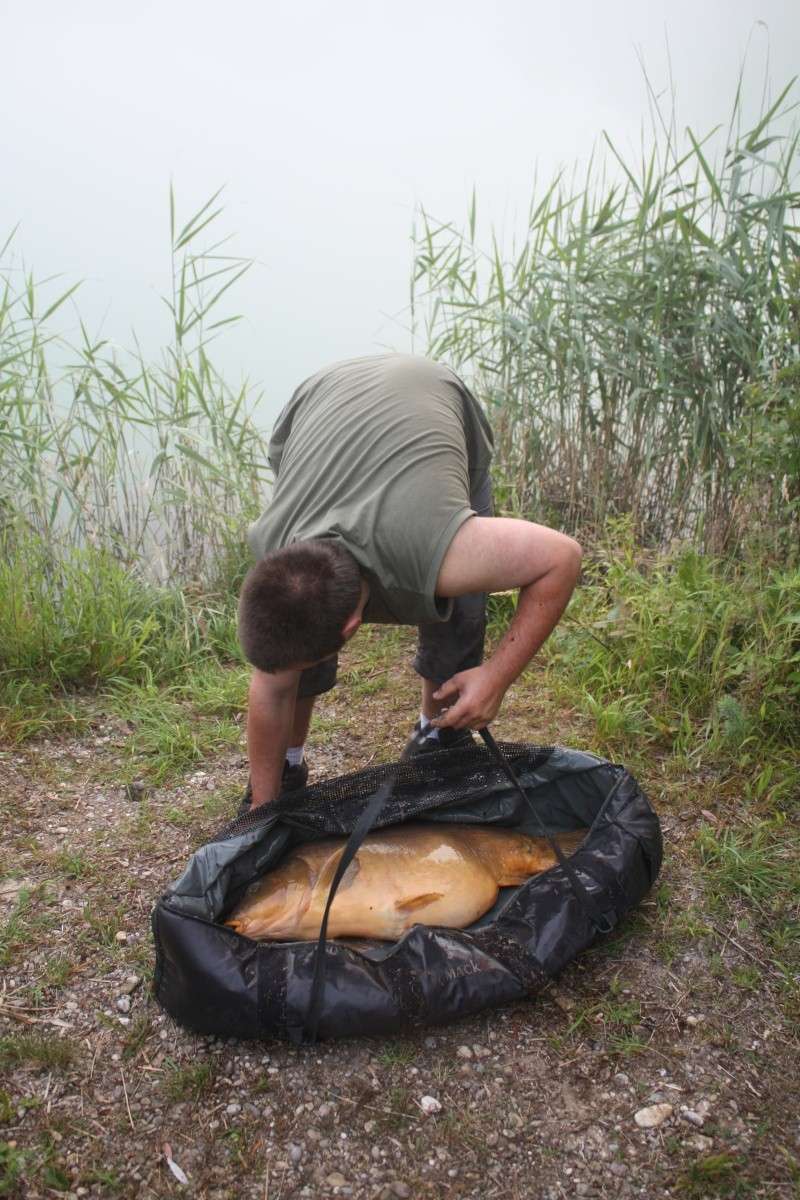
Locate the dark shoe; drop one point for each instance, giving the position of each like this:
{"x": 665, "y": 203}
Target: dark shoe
{"x": 293, "y": 779}
{"x": 447, "y": 739}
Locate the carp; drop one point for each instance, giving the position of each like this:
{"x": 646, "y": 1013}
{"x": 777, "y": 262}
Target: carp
{"x": 401, "y": 876}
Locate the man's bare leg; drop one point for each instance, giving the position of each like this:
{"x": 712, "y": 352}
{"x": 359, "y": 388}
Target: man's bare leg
{"x": 430, "y": 707}
{"x": 302, "y": 719}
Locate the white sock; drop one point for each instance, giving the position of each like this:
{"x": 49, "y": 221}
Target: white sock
{"x": 425, "y": 727}
{"x": 294, "y": 755}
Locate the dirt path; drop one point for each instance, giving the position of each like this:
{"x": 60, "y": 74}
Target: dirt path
{"x": 679, "y": 1011}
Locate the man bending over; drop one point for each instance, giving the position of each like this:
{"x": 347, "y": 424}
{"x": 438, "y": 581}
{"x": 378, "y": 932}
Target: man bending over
{"x": 381, "y": 512}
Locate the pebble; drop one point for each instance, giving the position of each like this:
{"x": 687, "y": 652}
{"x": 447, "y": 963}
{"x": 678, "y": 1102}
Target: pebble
{"x": 324, "y": 1111}
{"x": 430, "y": 1043}
{"x": 131, "y": 983}
{"x": 695, "y": 1019}
{"x": 233, "y": 1109}
{"x": 336, "y": 1179}
{"x": 295, "y": 1152}
{"x": 699, "y": 1141}
{"x": 464, "y": 1052}
{"x": 124, "y": 1004}
{"x": 621, "y": 1079}
{"x": 430, "y": 1105}
{"x": 400, "y": 1189}
{"x": 696, "y": 1115}
{"x": 120, "y": 936}
{"x": 653, "y": 1116}
{"x": 136, "y": 791}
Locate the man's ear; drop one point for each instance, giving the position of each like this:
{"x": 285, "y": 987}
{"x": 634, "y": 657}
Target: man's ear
{"x": 351, "y": 624}
{"x": 354, "y": 620}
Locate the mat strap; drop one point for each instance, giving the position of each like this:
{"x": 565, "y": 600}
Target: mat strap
{"x": 369, "y": 816}
{"x": 599, "y": 920}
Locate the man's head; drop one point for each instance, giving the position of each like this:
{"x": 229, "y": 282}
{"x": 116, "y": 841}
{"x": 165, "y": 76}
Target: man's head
{"x": 299, "y": 605}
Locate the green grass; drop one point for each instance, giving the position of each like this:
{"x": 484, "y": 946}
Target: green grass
{"x": 39, "y": 1050}
{"x": 683, "y": 652}
{"x": 714, "y": 1175}
{"x": 58, "y": 970}
{"x": 397, "y": 1054}
{"x": 758, "y": 863}
{"x": 72, "y": 863}
{"x": 14, "y": 929}
{"x": 29, "y": 921}
{"x": 177, "y": 725}
{"x": 189, "y": 1083}
{"x": 12, "y": 1168}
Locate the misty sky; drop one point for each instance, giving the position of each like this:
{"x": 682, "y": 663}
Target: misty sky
{"x": 327, "y": 123}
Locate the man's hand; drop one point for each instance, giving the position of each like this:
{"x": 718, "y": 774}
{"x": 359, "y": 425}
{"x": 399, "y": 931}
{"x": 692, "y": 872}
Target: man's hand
{"x": 479, "y": 695}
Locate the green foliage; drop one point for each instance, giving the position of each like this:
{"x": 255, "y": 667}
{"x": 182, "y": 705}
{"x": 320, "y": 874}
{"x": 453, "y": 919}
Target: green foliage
{"x": 713, "y": 1175}
{"x": 125, "y": 491}
{"x": 173, "y": 727}
{"x": 78, "y": 618}
{"x": 190, "y": 1082}
{"x": 616, "y": 346}
{"x": 158, "y": 464}
{"x": 681, "y": 650}
{"x": 72, "y": 616}
{"x": 72, "y": 863}
{"x": 759, "y": 863}
{"x": 12, "y": 1168}
{"x": 12, "y": 934}
{"x": 766, "y": 452}
{"x": 37, "y": 1050}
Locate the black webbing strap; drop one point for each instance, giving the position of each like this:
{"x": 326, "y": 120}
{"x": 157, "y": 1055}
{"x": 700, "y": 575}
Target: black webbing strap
{"x": 599, "y": 920}
{"x": 360, "y": 830}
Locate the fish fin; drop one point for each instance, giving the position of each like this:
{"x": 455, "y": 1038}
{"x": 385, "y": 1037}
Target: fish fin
{"x": 409, "y": 903}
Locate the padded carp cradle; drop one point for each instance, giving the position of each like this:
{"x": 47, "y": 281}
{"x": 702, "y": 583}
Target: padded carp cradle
{"x": 216, "y": 981}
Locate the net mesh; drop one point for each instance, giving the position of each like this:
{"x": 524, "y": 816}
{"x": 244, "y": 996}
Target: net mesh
{"x": 433, "y": 780}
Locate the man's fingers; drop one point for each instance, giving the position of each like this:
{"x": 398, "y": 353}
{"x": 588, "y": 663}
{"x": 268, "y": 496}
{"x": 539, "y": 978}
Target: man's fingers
{"x": 446, "y": 690}
{"x": 450, "y": 718}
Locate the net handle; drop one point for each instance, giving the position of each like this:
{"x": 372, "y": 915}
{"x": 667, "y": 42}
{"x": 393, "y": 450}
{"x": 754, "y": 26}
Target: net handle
{"x": 599, "y": 920}
{"x": 360, "y": 830}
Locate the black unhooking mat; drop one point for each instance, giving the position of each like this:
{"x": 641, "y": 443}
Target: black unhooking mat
{"x": 213, "y": 980}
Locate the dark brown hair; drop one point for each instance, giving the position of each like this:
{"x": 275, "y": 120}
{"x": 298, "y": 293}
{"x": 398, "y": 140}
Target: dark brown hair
{"x": 294, "y": 602}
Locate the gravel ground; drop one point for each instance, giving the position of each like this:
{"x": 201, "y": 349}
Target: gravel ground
{"x": 664, "y": 1062}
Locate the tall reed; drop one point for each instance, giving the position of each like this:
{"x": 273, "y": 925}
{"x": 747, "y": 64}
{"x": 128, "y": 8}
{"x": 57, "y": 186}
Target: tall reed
{"x": 613, "y": 346}
{"x": 158, "y": 464}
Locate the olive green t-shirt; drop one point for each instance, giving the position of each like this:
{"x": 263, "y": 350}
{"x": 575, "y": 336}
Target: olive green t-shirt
{"x": 379, "y": 453}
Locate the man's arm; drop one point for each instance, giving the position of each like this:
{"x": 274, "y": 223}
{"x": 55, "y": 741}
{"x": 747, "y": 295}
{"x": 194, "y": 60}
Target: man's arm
{"x": 491, "y": 554}
{"x": 270, "y": 714}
